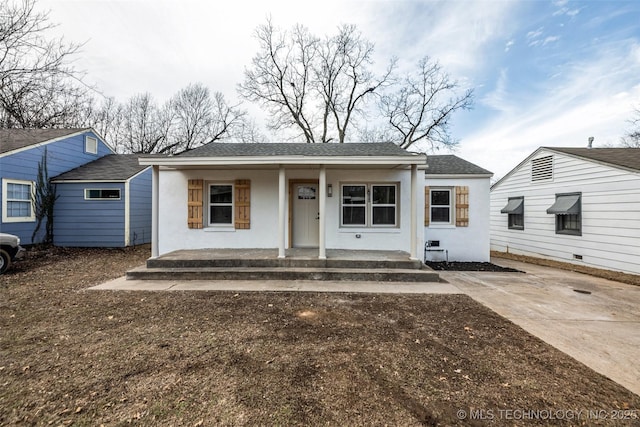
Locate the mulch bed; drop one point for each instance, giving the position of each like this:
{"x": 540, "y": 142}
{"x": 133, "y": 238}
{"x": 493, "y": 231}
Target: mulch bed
{"x": 69, "y": 356}
{"x": 469, "y": 266}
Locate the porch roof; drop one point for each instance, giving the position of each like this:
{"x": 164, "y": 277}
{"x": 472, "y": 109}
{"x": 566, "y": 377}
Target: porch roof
{"x": 295, "y": 154}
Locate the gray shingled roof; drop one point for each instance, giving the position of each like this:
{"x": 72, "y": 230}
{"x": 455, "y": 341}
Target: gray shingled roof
{"x": 624, "y": 157}
{"x": 217, "y": 149}
{"x": 113, "y": 167}
{"x": 448, "y": 164}
{"x": 14, "y": 139}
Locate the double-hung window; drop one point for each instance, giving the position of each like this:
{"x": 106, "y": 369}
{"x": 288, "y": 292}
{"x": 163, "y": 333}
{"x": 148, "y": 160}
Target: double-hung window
{"x": 441, "y": 209}
{"x": 220, "y": 204}
{"x": 369, "y": 205}
{"x": 17, "y": 201}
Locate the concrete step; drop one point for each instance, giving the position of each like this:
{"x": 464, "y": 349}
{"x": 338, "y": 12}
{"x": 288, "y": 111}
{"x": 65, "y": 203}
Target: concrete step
{"x": 177, "y": 263}
{"x": 284, "y": 273}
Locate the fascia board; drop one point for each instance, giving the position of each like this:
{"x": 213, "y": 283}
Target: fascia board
{"x": 284, "y": 160}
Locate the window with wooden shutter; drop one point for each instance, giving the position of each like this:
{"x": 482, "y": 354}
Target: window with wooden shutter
{"x": 195, "y": 203}
{"x": 462, "y": 206}
{"x": 242, "y": 207}
{"x": 427, "y": 214}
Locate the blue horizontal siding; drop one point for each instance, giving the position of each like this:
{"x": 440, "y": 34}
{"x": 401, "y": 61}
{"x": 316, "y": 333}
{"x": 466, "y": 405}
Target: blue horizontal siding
{"x": 62, "y": 156}
{"x": 140, "y": 208}
{"x": 88, "y": 223}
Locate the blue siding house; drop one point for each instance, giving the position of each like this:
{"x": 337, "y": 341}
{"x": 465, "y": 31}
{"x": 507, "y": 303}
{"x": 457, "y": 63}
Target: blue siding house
{"x": 20, "y": 152}
{"x": 105, "y": 203}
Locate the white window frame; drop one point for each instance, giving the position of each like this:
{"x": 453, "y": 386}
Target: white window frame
{"x": 6, "y": 200}
{"x": 90, "y": 145}
{"x": 232, "y": 204}
{"x": 384, "y": 205}
{"x": 87, "y": 190}
{"x": 368, "y": 205}
{"x": 451, "y": 206}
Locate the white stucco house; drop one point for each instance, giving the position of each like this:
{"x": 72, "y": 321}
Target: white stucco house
{"x": 576, "y": 205}
{"x": 456, "y": 213}
{"x": 353, "y": 196}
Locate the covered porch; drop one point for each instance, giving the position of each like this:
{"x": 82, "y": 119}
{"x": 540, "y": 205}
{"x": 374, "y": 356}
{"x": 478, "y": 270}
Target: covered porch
{"x": 276, "y": 178}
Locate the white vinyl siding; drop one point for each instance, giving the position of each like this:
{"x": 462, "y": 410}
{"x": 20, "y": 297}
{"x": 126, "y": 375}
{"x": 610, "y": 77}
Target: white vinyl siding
{"x": 610, "y": 214}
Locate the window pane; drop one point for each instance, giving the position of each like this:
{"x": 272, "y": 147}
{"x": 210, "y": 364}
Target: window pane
{"x": 220, "y": 215}
{"x": 440, "y": 197}
{"x": 440, "y": 214}
{"x": 516, "y": 221}
{"x": 353, "y": 195}
{"x": 384, "y": 195}
{"x": 569, "y": 222}
{"x": 221, "y": 194}
{"x": 19, "y": 191}
{"x": 353, "y": 215}
{"x": 384, "y": 215}
{"x": 18, "y": 209}
{"x": 102, "y": 193}
{"x": 306, "y": 193}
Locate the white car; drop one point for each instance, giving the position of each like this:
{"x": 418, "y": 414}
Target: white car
{"x": 10, "y": 250}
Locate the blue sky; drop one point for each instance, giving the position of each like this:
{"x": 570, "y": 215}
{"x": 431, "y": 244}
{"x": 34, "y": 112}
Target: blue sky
{"x": 545, "y": 72}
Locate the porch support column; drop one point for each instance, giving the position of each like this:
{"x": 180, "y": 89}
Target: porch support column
{"x": 322, "y": 183}
{"x": 155, "y": 207}
{"x": 282, "y": 188}
{"x": 414, "y": 212}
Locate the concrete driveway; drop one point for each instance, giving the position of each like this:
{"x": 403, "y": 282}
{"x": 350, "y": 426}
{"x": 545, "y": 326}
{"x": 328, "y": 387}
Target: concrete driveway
{"x": 599, "y": 326}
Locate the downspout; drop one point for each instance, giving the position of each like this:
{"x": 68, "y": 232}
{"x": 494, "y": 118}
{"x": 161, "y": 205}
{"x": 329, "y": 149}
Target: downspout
{"x": 127, "y": 213}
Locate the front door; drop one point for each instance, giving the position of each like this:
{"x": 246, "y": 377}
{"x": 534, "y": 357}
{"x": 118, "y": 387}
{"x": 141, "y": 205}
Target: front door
{"x": 306, "y": 216}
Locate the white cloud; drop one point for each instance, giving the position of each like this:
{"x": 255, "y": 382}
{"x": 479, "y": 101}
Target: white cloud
{"x": 510, "y": 43}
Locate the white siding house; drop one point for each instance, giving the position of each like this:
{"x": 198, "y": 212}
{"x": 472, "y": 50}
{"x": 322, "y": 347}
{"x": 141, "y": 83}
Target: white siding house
{"x": 576, "y": 205}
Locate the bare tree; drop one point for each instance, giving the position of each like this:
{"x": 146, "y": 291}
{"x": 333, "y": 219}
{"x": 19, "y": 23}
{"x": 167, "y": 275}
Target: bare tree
{"x": 38, "y": 86}
{"x": 344, "y": 78}
{"x": 421, "y": 108}
{"x": 281, "y": 78}
{"x": 632, "y": 138}
{"x": 145, "y": 126}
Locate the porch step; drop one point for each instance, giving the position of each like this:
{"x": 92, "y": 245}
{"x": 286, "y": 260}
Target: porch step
{"x": 284, "y": 273}
{"x": 176, "y": 263}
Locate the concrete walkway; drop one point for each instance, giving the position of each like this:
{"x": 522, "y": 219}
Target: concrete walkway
{"x": 280, "y": 285}
{"x": 599, "y": 326}
{"x": 600, "y": 329}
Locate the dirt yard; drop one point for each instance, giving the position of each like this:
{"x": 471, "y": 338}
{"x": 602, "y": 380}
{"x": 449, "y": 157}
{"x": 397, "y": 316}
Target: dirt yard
{"x": 69, "y": 356}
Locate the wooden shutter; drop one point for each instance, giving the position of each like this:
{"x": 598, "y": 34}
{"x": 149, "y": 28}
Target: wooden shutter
{"x": 427, "y": 199}
{"x": 242, "y": 206}
{"x": 195, "y": 203}
{"x": 462, "y": 206}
